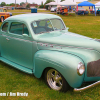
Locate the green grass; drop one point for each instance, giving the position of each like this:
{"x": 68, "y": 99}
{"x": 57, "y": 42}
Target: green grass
{"x": 84, "y": 25}
{"x": 13, "y": 80}
{"x": 28, "y": 11}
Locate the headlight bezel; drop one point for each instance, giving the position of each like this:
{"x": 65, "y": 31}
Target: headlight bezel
{"x": 80, "y": 69}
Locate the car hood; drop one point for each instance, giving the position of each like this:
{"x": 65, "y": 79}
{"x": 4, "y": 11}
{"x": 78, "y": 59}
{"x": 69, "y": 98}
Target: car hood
{"x": 65, "y": 38}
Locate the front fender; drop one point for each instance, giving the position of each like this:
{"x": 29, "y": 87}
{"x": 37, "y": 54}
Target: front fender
{"x": 65, "y": 63}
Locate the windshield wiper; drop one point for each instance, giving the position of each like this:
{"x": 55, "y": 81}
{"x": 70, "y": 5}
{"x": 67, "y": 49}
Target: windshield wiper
{"x": 41, "y": 32}
{"x": 63, "y": 29}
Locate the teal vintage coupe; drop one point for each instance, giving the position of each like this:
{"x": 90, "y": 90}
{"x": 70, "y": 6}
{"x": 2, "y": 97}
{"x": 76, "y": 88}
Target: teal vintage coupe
{"x": 41, "y": 44}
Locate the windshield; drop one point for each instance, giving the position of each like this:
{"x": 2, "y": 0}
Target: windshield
{"x": 43, "y": 26}
{"x": 1, "y": 10}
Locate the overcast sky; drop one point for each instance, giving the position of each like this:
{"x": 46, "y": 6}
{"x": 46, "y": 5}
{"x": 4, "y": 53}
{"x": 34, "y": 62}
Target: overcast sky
{"x": 31, "y": 1}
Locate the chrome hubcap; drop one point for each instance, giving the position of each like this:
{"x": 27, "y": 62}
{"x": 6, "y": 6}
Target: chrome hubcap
{"x": 54, "y": 79}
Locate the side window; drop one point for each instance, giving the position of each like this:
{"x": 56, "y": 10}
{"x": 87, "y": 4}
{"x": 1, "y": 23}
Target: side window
{"x": 18, "y": 28}
{"x": 5, "y": 27}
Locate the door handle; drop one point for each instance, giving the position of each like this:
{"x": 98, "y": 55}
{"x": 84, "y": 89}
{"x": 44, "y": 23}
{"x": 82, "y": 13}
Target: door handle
{"x": 7, "y": 39}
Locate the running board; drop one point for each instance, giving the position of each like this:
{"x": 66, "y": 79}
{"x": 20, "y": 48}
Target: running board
{"x": 19, "y": 67}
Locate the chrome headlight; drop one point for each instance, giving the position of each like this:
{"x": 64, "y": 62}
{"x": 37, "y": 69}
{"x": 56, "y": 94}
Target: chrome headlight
{"x": 80, "y": 69}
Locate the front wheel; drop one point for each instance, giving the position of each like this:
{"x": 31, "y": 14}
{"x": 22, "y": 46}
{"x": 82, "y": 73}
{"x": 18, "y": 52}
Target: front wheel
{"x": 55, "y": 80}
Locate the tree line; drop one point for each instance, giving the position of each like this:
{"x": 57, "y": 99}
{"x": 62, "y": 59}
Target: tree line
{"x": 41, "y": 6}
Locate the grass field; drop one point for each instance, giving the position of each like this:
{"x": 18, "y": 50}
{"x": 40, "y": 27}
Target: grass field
{"x": 25, "y": 11}
{"x": 13, "y": 80}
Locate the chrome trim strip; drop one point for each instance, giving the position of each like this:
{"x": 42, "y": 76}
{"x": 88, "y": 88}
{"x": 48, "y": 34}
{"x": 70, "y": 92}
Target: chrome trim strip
{"x": 61, "y": 46}
{"x": 87, "y": 87}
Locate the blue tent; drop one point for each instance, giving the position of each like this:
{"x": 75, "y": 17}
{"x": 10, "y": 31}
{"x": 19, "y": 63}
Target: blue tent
{"x": 86, "y": 3}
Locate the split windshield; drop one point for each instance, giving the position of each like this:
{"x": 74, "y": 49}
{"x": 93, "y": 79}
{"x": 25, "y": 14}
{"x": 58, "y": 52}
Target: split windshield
{"x": 1, "y": 10}
{"x": 43, "y": 26}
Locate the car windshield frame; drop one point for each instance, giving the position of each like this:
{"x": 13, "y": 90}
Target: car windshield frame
{"x": 34, "y": 25}
{"x": 1, "y": 10}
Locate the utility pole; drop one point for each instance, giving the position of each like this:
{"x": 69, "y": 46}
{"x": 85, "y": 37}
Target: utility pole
{"x": 15, "y": 3}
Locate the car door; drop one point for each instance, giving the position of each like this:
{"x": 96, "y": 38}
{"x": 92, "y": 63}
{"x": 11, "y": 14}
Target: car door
{"x": 3, "y": 41}
{"x": 19, "y": 45}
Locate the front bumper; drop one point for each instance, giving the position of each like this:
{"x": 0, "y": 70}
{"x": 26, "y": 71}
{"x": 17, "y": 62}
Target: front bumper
{"x": 87, "y": 87}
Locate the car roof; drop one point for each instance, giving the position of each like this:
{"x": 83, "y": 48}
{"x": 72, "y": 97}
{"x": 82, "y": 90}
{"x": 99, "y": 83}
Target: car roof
{"x": 32, "y": 17}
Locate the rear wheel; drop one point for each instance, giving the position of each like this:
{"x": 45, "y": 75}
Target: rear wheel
{"x": 55, "y": 80}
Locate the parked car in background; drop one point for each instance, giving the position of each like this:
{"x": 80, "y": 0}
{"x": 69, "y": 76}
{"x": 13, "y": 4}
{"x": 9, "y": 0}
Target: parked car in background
{"x": 81, "y": 11}
{"x": 44, "y": 46}
{"x": 53, "y": 9}
{"x": 62, "y": 10}
{"x": 4, "y": 14}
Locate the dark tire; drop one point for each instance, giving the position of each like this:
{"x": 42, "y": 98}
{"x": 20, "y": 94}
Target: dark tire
{"x": 55, "y": 80}
{"x": 2, "y": 19}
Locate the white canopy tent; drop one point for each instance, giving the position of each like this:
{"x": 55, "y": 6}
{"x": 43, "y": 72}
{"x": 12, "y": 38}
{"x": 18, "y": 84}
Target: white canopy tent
{"x": 97, "y": 4}
{"x": 52, "y": 3}
{"x": 79, "y": 0}
{"x": 68, "y": 3}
